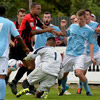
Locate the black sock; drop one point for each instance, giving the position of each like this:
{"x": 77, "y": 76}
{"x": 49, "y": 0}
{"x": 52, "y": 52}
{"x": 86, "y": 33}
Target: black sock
{"x": 59, "y": 82}
{"x": 25, "y": 84}
{"x": 29, "y": 71}
{"x": 6, "y": 79}
{"x": 19, "y": 74}
{"x": 32, "y": 89}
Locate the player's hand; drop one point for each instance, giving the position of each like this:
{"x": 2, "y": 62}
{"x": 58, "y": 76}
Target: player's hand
{"x": 94, "y": 62}
{"x": 28, "y": 57}
{"x": 63, "y": 23}
{"x": 97, "y": 30}
{"x": 57, "y": 33}
{"x": 49, "y": 29}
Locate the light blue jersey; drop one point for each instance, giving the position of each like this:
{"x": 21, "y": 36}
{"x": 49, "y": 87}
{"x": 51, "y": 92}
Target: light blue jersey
{"x": 94, "y": 25}
{"x": 78, "y": 36}
{"x": 7, "y": 28}
{"x": 42, "y": 38}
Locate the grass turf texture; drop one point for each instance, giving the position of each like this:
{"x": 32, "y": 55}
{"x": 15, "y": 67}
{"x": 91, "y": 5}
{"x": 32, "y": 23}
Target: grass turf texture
{"x": 53, "y": 94}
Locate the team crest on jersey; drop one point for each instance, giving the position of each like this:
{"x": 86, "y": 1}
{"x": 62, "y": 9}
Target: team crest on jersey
{"x": 31, "y": 24}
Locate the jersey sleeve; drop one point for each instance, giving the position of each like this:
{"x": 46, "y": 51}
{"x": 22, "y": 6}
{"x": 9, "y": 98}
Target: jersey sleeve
{"x": 35, "y": 53}
{"x": 13, "y": 30}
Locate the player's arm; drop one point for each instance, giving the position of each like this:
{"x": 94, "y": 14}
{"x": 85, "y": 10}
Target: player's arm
{"x": 63, "y": 23}
{"x": 12, "y": 43}
{"x": 37, "y": 31}
{"x": 34, "y": 54}
{"x": 20, "y": 40}
{"x": 91, "y": 46}
{"x": 15, "y": 33}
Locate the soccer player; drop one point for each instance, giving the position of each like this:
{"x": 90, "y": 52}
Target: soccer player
{"x": 42, "y": 38}
{"x": 7, "y": 28}
{"x": 74, "y": 59}
{"x": 47, "y": 71}
{"x": 27, "y": 30}
{"x": 94, "y": 26}
{"x": 12, "y": 52}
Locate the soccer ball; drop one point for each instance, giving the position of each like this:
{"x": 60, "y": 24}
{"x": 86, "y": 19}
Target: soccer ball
{"x": 12, "y": 65}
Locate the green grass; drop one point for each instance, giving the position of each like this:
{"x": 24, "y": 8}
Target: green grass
{"x": 53, "y": 95}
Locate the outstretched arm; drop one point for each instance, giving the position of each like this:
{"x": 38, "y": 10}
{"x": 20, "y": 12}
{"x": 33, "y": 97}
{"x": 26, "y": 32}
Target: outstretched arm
{"x": 63, "y": 23}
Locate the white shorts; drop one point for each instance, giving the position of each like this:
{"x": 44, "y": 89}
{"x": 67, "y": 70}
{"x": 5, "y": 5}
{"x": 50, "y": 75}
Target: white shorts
{"x": 71, "y": 63}
{"x": 3, "y": 65}
{"x": 88, "y": 61}
{"x": 46, "y": 80}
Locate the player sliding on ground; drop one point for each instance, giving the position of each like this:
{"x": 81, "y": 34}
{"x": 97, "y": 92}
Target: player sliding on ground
{"x": 47, "y": 72}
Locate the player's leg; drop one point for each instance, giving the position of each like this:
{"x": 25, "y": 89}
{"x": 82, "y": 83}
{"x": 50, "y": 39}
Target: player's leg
{"x": 79, "y": 67}
{"x": 7, "y": 76}
{"x": 62, "y": 85}
{"x": 2, "y": 87}
{"x": 79, "y": 87}
{"x": 34, "y": 77}
{"x": 13, "y": 84}
{"x": 3, "y": 72}
{"x": 45, "y": 85}
{"x": 68, "y": 60}
{"x": 19, "y": 55}
{"x": 80, "y": 84}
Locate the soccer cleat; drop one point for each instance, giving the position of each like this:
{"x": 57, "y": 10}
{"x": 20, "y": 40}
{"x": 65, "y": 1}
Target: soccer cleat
{"x": 79, "y": 91}
{"x": 22, "y": 92}
{"x": 13, "y": 88}
{"x": 67, "y": 93}
{"x": 45, "y": 95}
{"x": 59, "y": 89}
{"x": 89, "y": 94}
{"x": 63, "y": 90}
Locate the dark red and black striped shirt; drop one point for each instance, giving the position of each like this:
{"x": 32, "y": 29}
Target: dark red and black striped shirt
{"x": 28, "y": 23}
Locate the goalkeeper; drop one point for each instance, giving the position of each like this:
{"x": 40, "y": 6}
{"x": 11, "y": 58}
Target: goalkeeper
{"x": 47, "y": 72}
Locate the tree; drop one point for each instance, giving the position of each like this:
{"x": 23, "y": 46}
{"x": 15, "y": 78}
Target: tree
{"x": 85, "y": 4}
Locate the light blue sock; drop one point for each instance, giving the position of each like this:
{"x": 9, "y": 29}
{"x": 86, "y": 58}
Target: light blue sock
{"x": 64, "y": 85}
{"x": 2, "y": 89}
{"x": 86, "y": 87}
{"x": 80, "y": 84}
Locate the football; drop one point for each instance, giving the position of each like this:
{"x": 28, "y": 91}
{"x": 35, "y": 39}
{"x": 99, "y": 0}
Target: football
{"x": 12, "y": 65}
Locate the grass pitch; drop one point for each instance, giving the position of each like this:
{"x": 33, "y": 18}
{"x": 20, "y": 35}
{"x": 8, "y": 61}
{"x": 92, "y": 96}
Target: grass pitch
{"x": 53, "y": 94}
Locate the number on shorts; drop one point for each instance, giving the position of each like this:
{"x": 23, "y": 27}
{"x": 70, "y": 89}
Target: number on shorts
{"x": 55, "y": 55}
{"x": 1, "y": 24}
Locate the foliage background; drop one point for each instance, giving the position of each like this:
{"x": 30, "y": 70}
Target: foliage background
{"x": 58, "y": 8}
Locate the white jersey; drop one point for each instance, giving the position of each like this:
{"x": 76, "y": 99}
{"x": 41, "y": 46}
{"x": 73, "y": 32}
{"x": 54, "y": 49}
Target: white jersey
{"x": 50, "y": 59}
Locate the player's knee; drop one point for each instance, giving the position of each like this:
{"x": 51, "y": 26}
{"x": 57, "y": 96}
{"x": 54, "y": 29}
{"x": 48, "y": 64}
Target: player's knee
{"x": 77, "y": 73}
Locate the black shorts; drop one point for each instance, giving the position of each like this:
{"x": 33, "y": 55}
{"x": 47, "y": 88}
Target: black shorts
{"x": 17, "y": 52}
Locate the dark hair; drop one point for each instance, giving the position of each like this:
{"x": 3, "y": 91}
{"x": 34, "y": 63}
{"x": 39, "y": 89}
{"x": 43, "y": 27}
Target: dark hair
{"x": 34, "y": 4}
{"x": 81, "y": 13}
{"x": 51, "y": 38}
{"x": 87, "y": 10}
{"x": 21, "y": 10}
{"x": 48, "y": 12}
{"x": 2, "y": 10}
